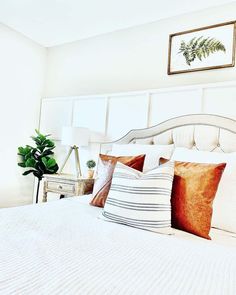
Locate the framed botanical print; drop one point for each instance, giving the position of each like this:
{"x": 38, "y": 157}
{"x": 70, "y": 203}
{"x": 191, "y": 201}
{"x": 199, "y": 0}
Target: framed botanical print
{"x": 205, "y": 48}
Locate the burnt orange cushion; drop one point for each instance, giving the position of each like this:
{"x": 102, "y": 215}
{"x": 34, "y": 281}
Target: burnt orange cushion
{"x": 106, "y": 166}
{"x": 193, "y": 192}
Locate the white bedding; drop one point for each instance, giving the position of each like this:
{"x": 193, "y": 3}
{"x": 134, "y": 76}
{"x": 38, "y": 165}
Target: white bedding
{"x": 63, "y": 248}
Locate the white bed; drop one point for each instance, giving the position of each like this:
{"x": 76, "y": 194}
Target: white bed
{"x": 62, "y": 247}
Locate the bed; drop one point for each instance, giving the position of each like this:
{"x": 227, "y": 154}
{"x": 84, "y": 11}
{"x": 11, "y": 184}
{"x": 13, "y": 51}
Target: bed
{"x": 62, "y": 247}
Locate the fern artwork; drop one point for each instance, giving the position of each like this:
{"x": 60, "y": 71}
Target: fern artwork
{"x": 200, "y": 48}
{"x": 206, "y": 48}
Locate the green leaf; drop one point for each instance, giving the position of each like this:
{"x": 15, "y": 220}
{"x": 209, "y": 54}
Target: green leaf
{"x": 28, "y": 156}
{"x": 44, "y": 160}
{"x": 21, "y": 165}
{"x": 41, "y": 148}
{"x": 28, "y": 172}
{"x": 51, "y": 162}
{"x": 47, "y": 153}
{"x": 49, "y": 143}
{"x": 48, "y": 163}
{"x": 53, "y": 169}
{"x": 22, "y": 151}
{"x": 30, "y": 162}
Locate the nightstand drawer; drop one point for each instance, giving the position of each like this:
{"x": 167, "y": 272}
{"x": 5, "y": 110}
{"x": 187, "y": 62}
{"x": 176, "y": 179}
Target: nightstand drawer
{"x": 61, "y": 187}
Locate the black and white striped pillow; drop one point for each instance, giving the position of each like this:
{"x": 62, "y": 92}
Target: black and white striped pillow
{"x": 141, "y": 199}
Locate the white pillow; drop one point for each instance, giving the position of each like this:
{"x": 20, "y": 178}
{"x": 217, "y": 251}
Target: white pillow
{"x": 224, "y": 206}
{"x": 139, "y": 199}
{"x": 153, "y": 152}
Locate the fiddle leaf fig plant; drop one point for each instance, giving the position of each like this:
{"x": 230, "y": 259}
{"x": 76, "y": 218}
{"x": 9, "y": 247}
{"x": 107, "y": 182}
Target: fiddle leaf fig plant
{"x": 39, "y": 158}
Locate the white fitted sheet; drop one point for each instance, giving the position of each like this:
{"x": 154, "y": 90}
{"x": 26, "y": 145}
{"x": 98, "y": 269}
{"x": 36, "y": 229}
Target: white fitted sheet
{"x": 63, "y": 248}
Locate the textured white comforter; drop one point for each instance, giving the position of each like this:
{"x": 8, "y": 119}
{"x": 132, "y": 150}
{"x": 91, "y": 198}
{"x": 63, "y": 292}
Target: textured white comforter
{"x": 63, "y": 248}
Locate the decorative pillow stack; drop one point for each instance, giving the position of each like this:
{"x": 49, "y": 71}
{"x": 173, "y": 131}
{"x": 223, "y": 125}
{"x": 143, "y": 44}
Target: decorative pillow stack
{"x": 139, "y": 199}
{"x": 151, "y": 200}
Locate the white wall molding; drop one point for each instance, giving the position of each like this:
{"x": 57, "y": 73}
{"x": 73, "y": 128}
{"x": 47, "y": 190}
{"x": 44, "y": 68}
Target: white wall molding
{"x": 195, "y": 103}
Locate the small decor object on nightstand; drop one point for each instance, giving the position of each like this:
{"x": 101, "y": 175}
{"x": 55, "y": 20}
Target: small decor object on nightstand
{"x": 39, "y": 158}
{"x": 91, "y": 164}
{"x": 74, "y": 137}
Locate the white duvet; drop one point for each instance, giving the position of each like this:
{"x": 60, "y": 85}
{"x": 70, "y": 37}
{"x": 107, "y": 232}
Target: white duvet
{"x": 63, "y": 248}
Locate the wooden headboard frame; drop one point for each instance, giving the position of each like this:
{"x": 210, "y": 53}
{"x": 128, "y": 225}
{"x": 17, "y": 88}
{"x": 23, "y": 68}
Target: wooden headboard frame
{"x": 187, "y": 120}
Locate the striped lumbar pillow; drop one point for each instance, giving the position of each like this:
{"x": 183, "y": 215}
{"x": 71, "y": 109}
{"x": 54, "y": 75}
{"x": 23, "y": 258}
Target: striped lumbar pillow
{"x": 141, "y": 199}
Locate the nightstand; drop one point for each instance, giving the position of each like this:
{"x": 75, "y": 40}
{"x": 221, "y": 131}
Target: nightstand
{"x": 66, "y": 185}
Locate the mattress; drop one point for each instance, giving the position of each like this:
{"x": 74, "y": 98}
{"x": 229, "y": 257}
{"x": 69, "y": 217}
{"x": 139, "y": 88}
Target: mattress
{"x": 62, "y": 247}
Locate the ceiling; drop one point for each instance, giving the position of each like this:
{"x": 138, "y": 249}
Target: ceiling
{"x": 53, "y": 22}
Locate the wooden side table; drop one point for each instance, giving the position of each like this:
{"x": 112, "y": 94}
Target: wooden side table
{"x": 66, "y": 185}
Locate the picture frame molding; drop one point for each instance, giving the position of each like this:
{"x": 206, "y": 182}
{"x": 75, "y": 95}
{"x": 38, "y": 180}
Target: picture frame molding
{"x": 232, "y": 64}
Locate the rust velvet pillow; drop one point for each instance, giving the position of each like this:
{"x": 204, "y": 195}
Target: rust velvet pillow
{"x": 106, "y": 166}
{"x": 193, "y": 192}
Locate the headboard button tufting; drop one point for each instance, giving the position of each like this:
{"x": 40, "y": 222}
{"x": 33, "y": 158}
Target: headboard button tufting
{"x": 203, "y": 132}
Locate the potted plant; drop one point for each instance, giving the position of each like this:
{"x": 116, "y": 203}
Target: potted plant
{"x": 38, "y": 158}
{"x": 90, "y": 164}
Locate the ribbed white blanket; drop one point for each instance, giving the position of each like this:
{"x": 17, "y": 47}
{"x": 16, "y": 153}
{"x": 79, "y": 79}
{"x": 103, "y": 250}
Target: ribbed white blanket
{"x": 63, "y": 248}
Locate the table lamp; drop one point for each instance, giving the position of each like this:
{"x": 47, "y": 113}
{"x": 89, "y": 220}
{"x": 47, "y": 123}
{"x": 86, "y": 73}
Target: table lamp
{"x": 74, "y": 137}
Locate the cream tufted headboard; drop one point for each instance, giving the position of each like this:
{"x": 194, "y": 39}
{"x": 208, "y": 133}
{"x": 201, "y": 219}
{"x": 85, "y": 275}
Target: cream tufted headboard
{"x": 203, "y": 132}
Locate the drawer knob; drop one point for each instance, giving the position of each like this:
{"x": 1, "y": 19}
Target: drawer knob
{"x": 60, "y": 187}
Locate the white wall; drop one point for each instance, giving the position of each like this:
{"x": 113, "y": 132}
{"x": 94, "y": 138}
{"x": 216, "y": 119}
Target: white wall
{"x": 22, "y": 69}
{"x": 131, "y": 59}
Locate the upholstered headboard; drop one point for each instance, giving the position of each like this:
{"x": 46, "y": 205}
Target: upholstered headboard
{"x": 203, "y": 132}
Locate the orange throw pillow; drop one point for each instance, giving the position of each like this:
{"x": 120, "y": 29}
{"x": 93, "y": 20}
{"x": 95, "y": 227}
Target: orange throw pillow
{"x": 106, "y": 166}
{"x": 193, "y": 192}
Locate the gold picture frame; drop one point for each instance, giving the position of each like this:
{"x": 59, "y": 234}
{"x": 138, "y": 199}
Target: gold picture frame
{"x": 205, "y": 48}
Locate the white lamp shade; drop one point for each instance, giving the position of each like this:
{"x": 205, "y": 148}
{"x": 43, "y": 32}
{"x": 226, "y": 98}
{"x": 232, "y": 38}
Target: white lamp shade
{"x": 75, "y": 136}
